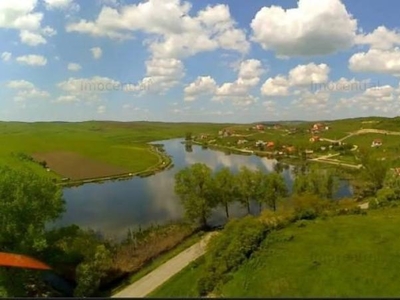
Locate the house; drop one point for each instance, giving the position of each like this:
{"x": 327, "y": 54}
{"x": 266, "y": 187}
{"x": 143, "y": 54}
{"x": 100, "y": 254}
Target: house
{"x": 241, "y": 142}
{"x": 318, "y": 126}
{"x": 376, "y": 143}
{"x": 260, "y": 127}
{"x": 323, "y": 148}
{"x": 290, "y": 149}
{"x": 314, "y": 139}
{"x": 270, "y": 144}
{"x": 309, "y": 151}
{"x": 203, "y": 136}
{"x": 277, "y": 126}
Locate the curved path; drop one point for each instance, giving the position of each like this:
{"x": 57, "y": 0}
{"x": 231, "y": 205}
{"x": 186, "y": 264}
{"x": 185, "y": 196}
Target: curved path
{"x": 156, "y": 278}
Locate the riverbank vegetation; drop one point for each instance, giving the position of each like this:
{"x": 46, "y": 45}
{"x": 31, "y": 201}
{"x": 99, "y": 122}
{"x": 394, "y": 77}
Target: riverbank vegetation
{"x": 269, "y": 255}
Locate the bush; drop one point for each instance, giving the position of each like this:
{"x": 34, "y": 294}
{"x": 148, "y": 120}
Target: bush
{"x": 309, "y": 207}
{"x": 373, "y": 204}
{"x": 229, "y": 249}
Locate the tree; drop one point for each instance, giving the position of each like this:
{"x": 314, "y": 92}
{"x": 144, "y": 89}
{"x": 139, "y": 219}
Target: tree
{"x": 188, "y": 136}
{"x": 28, "y": 202}
{"x": 193, "y": 185}
{"x": 374, "y": 170}
{"x": 245, "y": 183}
{"x": 224, "y": 188}
{"x": 90, "y": 272}
{"x": 322, "y": 183}
{"x": 276, "y": 189}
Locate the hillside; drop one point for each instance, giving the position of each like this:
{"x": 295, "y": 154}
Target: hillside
{"x": 344, "y": 256}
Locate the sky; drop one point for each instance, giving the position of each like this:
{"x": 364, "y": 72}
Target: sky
{"x": 198, "y": 61}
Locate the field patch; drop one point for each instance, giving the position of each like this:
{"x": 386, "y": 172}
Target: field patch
{"x": 76, "y": 167}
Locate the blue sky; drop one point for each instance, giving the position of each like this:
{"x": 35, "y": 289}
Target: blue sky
{"x": 213, "y": 61}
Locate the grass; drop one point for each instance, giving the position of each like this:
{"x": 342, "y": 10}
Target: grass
{"x": 346, "y": 256}
{"x": 115, "y": 143}
{"x": 158, "y": 261}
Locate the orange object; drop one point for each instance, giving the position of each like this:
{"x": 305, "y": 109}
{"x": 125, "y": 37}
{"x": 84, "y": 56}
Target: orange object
{"x": 21, "y": 261}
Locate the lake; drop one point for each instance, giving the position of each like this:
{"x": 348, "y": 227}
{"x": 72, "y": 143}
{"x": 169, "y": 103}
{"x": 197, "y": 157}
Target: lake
{"x": 114, "y": 207}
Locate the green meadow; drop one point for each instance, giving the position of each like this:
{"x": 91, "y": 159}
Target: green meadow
{"x": 343, "y": 256}
{"x": 115, "y": 143}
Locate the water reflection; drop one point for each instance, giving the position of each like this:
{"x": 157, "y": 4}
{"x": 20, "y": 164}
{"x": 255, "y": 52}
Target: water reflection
{"x": 113, "y": 207}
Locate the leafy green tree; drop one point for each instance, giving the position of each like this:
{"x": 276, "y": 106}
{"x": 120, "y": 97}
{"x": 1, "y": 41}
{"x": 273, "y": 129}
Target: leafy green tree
{"x": 193, "y": 185}
{"x": 374, "y": 170}
{"x": 188, "y": 136}
{"x": 224, "y": 188}
{"x": 27, "y": 203}
{"x": 322, "y": 183}
{"x": 246, "y": 187}
{"x": 276, "y": 189}
{"x": 90, "y": 272}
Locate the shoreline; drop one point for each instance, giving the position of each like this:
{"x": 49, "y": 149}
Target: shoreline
{"x": 165, "y": 162}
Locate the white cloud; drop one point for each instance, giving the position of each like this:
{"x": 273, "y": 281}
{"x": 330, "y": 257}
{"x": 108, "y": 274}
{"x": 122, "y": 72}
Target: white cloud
{"x": 344, "y": 85}
{"x": 203, "y": 85}
{"x": 20, "y": 85}
{"x": 310, "y": 101}
{"x": 101, "y": 109}
{"x": 177, "y": 34}
{"x": 309, "y": 74}
{"x": 67, "y": 99}
{"x": 74, "y": 67}
{"x": 6, "y": 56}
{"x": 278, "y": 86}
{"x": 61, "y": 5}
{"x": 32, "y": 60}
{"x": 313, "y": 28}
{"x": 21, "y": 15}
{"x": 161, "y": 75}
{"x": 96, "y": 52}
{"x": 381, "y": 38}
{"x": 377, "y": 61}
{"x": 26, "y": 90}
{"x": 249, "y": 72}
{"x": 31, "y": 38}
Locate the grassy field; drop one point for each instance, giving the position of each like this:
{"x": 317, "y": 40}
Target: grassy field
{"x": 346, "y": 256}
{"x": 114, "y": 145}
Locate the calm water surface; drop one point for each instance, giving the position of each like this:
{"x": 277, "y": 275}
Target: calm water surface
{"x": 113, "y": 207}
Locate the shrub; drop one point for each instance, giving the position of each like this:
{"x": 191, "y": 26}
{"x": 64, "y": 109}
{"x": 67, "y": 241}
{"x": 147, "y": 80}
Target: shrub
{"x": 373, "y": 204}
{"x": 308, "y": 206}
{"x": 229, "y": 249}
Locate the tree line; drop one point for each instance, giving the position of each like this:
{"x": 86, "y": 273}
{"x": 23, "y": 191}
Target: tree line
{"x": 200, "y": 190}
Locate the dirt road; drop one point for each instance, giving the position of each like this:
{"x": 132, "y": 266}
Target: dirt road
{"x": 156, "y": 278}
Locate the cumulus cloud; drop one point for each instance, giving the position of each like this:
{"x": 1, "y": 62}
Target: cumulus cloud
{"x": 61, "y": 5}
{"x": 277, "y": 86}
{"x": 249, "y": 72}
{"x": 176, "y": 34}
{"x": 309, "y": 74}
{"x": 96, "y": 52}
{"x": 161, "y": 75}
{"x": 89, "y": 86}
{"x": 6, "y": 56}
{"x": 26, "y": 90}
{"x": 67, "y": 99}
{"x": 21, "y": 15}
{"x": 203, "y": 85}
{"x": 377, "y": 61}
{"x": 313, "y": 28}
{"x": 381, "y": 38}
{"x": 74, "y": 67}
{"x": 32, "y": 60}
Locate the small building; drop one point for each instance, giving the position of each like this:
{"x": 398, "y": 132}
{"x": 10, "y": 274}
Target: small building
{"x": 376, "y": 143}
{"x": 323, "y": 148}
{"x": 290, "y": 149}
{"x": 314, "y": 139}
{"x": 241, "y": 142}
{"x": 260, "y": 127}
{"x": 270, "y": 144}
{"x": 203, "y": 136}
